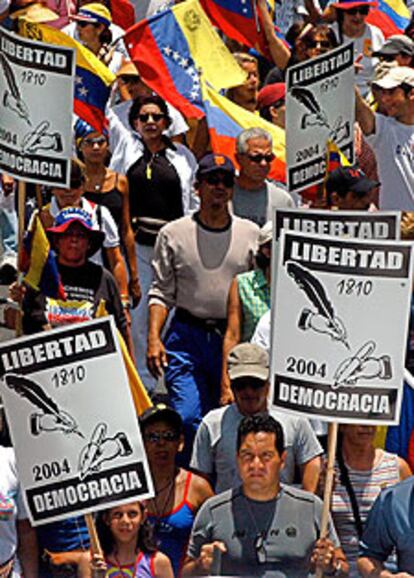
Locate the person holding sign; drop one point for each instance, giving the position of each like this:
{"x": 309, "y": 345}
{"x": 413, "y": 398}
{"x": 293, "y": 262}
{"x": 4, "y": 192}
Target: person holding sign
{"x": 128, "y": 545}
{"x": 262, "y": 528}
{"x": 349, "y": 189}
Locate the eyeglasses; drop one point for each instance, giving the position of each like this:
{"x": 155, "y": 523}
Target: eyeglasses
{"x": 260, "y": 549}
{"x": 387, "y": 57}
{"x": 156, "y": 116}
{"x": 226, "y": 180}
{"x": 319, "y": 44}
{"x": 259, "y": 158}
{"x": 167, "y": 436}
{"x": 99, "y": 140}
{"x": 363, "y": 10}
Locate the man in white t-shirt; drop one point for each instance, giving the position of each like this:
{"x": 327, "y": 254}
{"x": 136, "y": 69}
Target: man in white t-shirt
{"x": 392, "y": 137}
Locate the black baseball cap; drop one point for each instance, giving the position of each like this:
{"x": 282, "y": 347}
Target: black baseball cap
{"x": 350, "y": 178}
{"x": 161, "y": 412}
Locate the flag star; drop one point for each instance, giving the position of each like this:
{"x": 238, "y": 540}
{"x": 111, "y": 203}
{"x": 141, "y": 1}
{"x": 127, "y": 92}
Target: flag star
{"x": 83, "y": 91}
{"x": 184, "y": 62}
{"x": 194, "y": 94}
{"x": 167, "y": 50}
{"x": 78, "y": 79}
{"x": 176, "y": 55}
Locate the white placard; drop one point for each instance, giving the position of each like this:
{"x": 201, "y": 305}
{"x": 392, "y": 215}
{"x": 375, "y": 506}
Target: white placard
{"x": 72, "y": 421}
{"x": 339, "y": 327}
{"x": 319, "y": 107}
{"x": 36, "y": 104}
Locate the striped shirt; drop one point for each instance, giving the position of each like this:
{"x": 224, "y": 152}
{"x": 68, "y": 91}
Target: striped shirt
{"x": 254, "y": 293}
{"x": 367, "y": 485}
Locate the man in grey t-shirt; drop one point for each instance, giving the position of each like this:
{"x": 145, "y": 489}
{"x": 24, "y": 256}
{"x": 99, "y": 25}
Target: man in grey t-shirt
{"x": 254, "y": 195}
{"x": 214, "y": 450}
{"x": 262, "y": 528}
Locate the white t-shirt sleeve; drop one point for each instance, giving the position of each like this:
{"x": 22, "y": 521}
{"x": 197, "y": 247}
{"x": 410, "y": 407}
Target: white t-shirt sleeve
{"x": 261, "y": 336}
{"x": 376, "y": 138}
{"x": 178, "y": 123}
{"x": 201, "y": 459}
{"x": 110, "y": 229}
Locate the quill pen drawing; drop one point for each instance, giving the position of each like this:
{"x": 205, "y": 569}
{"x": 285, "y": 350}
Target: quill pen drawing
{"x": 35, "y": 394}
{"x": 13, "y": 99}
{"x": 316, "y": 294}
{"x": 308, "y": 100}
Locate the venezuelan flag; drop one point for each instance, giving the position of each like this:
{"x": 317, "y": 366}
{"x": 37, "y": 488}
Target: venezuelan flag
{"x": 92, "y": 78}
{"x": 335, "y": 157}
{"x": 226, "y": 120}
{"x": 171, "y": 47}
{"x": 39, "y": 262}
{"x": 391, "y": 16}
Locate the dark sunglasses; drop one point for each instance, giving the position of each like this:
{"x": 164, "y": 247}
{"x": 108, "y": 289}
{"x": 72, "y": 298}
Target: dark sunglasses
{"x": 83, "y": 24}
{"x": 363, "y": 10}
{"x": 387, "y": 57}
{"x": 129, "y": 79}
{"x": 226, "y": 180}
{"x": 243, "y": 383}
{"x": 167, "y": 436}
{"x": 319, "y": 43}
{"x": 156, "y": 116}
{"x": 99, "y": 140}
{"x": 259, "y": 158}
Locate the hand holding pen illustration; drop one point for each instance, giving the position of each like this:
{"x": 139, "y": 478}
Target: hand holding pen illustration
{"x": 101, "y": 449}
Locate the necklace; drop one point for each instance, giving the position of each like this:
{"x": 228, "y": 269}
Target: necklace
{"x": 261, "y": 535}
{"x": 129, "y": 570}
{"x": 98, "y": 184}
{"x": 160, "y": 512}
{"x": 148, "y": 168}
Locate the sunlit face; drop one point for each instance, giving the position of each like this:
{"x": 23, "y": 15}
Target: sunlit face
{"x": 259, "y": 462}
{"x": 358, "y": 435}
{"x": 394, "y": 101}
{"x": 162, "y": 443}
{"x": 256, "y": 162}
{"x": 216, "y": 190}
{"x": 125, "y": 522}
{"x": 95, "y": 147}
{"x": 72, "y": 245}
{"x": 250, "y": 395}
{"x": 248, "y": 91}
{"x": 150, "y": 122}
{"x": 68, "y": 197}
{"x": 354, "y": 21}
{"x": 89, "y": 32}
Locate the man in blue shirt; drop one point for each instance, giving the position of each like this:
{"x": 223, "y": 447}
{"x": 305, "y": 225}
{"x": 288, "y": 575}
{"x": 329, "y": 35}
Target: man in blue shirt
{"x": 390, "y": 525}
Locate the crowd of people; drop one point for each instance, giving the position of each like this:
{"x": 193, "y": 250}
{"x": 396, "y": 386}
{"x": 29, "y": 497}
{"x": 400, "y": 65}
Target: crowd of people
{"x": 174, "y": 239}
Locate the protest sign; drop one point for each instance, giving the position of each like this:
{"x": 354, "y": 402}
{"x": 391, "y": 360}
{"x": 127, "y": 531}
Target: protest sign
{"x": 319, "y": 107}
{"x": 36, "y": 104}
{"x": 72, "y": 421}
{"x": 339, "y": 327}
{"x": 359, "y": 224}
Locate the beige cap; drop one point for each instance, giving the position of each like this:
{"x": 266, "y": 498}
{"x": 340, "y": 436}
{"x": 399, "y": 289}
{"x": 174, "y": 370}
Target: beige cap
{"x": 128, "y": 68}
{"x": 248, "y": 360}
{"x": 396, "y": 77}
{"x": 35, "y": 13}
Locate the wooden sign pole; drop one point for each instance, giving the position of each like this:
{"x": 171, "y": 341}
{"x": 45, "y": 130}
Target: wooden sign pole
{"x": 21, "y": 209}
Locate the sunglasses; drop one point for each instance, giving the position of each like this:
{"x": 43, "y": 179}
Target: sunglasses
{"x": 99, "y": 140}
{"x": 363, "y": 10}
{"x": 156, "y": 116}
{"x": 242, "y": 383}
{"x": 83, "y": 24}
{"x": 388, "y": 57}
{"x": 259, "y": 158}
{"x": 226, "y": 180}
{"x": 319, "y": 43}
{"x": 167, "y": 436}
{"x": 127, "y": 79}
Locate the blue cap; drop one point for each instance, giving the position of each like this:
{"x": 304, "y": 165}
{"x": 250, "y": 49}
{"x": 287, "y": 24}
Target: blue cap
{"x": 66, "y": 217}
{"x": 212, "y": 163}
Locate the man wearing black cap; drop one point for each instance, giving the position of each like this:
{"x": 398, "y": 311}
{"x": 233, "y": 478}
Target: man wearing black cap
{"x": 195, "y": 260}
{"x": 349, "y": 189}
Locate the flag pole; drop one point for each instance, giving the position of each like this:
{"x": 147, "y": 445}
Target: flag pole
{"x": 21, "y": 209}
{"x": 329, "y": 480}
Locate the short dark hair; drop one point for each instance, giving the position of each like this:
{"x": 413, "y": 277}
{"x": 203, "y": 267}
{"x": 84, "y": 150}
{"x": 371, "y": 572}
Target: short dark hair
{"x": 149, "y": 99}
{"x": 261, "y": 422}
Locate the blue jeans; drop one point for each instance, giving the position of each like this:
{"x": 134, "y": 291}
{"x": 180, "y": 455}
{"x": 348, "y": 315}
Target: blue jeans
{"x": 193, "y": 375}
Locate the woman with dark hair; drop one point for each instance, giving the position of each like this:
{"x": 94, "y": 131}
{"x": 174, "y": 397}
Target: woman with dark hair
{"x": 93, "y": 22}
{"x": 129, "y": 549}
{"x": 160, "y": 177}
